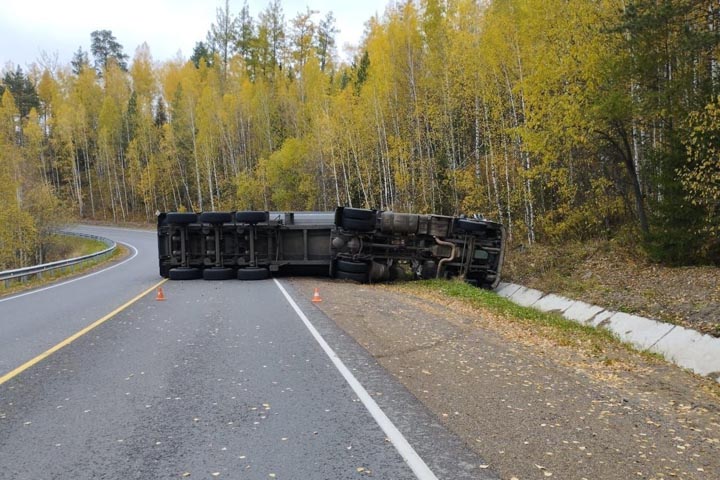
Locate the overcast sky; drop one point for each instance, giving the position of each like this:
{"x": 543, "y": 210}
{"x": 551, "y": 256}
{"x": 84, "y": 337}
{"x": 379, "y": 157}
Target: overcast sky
{"x": 30, "y": 27}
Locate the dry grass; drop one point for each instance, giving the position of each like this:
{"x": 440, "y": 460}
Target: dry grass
{"x": 79, "y": 248}
{"x": 620, "y": 277}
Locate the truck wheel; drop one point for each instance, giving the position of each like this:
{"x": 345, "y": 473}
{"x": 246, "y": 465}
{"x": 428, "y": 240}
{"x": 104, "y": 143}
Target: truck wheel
{"x": 350, "y": 266}
{"x": 359, "y": 213}
{"x": 184, "y": 273}
{"x": 358, "y": 225}
{"x": 218, "y": 273}
{"x": 429, "y": 270}
{"x": 215, "y": 217}
{"x": 164, "y": 270}
{"x": 251, "y": 217}
{"x": 356, "y": 277}
{"x": 253, "y": 273}
{"x": 399, "y": 273}
{"x": 179, "y": 218}
{"x": 469, "y": 225}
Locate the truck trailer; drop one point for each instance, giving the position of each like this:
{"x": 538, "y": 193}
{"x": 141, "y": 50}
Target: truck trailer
{"x": 362, "y": 245}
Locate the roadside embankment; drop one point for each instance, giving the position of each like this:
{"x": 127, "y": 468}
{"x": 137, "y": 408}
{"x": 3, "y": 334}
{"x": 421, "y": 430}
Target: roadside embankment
{"x": 682, "y": 346}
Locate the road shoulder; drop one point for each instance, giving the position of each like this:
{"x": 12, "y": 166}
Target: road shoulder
{"x": 532, "y": 406}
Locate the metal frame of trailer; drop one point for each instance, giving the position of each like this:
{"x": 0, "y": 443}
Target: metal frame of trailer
{"x": 350, "y": 243}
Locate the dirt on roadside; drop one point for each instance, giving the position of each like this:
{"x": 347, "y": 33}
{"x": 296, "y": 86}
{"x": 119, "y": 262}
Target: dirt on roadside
{"x": 531, "y": 406}
{"x": 621, "y": 278}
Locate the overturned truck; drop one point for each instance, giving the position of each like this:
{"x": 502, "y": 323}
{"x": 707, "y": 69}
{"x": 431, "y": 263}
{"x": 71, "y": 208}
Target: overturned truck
{"x": 350, "y": 243}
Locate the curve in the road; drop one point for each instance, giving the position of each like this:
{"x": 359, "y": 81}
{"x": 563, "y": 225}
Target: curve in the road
{"x": 76, "y": 279}
{"x": 219, "y": 379}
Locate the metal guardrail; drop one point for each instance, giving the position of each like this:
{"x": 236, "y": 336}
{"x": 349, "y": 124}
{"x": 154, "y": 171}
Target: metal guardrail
{"x": 22, "y": 274}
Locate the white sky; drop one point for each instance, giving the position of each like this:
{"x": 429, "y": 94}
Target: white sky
{"x": 30, "y": 27}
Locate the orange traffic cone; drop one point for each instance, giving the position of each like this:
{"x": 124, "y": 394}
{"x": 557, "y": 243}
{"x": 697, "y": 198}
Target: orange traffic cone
{"x": 316, "y": 297}
{"x": 160, "y": 295}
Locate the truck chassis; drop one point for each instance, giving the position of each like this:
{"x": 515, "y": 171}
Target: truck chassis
{"x": 350, "y": 243}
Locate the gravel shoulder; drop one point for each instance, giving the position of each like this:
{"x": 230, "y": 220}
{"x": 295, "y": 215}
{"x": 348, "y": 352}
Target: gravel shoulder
{"x": 531, "y": 405}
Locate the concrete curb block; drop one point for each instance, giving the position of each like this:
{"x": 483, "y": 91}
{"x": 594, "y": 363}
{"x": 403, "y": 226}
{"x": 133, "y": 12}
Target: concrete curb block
{"x": 506, "y": 289}
{"x": 553, "y": 303}
{"x": 640, "y": 331}
{"x": 526, "y": 296}
{"x": 682, "y": 346}
{"x": 692, "y": 350}
{"x": 581, "y": 312}
{"x": 601, "y": 319}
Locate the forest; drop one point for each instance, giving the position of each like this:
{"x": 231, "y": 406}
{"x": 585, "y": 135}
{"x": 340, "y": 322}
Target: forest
{"x": 562, "y": 119}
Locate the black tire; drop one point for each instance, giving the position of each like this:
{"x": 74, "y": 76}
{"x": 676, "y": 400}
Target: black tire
{"x": 218, "y": 273}
{"x": 470, "y": 225}
{"x": 429, "y": 270}
{"x": 399, "y": 273}
{"x": 251, "y": 217}
{"x": 178, "y": 218}
{"x": 350, "y": 266}
{"x": 164, "y": 270}
{"x": 216, "y": 217}
{"x": 358, "y": 213}
{"x": 358, "y": 225}
{"x": 184, "y": 273}
{"x": 356, "y": 277}
{"x": 253, "y": 273}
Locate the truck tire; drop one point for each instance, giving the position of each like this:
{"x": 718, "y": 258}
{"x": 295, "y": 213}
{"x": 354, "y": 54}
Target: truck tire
{"x": 357, "y": 224}
{"x": 359, "y": 213}
{"x": 184, "y": 273}
{"x": 164, "y": 271}
{"x": 356, "y": 277}
{"x": 215, "y": 217}
{"x": 218, "y": 273}
{"x": 179, "y": 218}
{"x": 251, "y": 217}
{"x": 350, "y": 266}
{"x": 469, "y": 225}
{"x": 253, "y": 273}
{"x": 429, "y": 270}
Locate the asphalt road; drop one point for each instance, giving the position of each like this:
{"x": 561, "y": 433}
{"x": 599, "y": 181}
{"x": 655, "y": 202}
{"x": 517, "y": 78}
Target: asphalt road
{"x": 221, "y": 380}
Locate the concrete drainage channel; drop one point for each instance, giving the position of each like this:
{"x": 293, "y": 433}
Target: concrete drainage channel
{"x": 682, "y": 346}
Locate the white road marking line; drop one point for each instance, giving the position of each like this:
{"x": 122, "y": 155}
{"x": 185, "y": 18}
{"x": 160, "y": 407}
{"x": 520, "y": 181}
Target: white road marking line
{"x": 135, "y": 254}
{"x": 406, "y": 451}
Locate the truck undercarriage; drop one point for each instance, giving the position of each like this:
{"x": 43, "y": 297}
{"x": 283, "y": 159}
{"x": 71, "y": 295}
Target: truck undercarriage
{"x": 350, "y": 243}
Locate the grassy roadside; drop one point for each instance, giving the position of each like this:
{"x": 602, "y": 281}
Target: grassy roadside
{"x": 619, "y": 276}
{"x": 596, "y": 342}
{"x": 66, "y": 246}
{"x": 70, "y": 246}
{"x": 596, "y": 351}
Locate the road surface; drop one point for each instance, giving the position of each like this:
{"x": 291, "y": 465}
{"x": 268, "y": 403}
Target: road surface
{"x": 222, "y": 380}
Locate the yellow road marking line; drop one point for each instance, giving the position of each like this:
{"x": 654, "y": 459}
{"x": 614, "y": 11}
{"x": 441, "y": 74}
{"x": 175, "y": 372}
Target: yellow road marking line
{"x": 77, "y": 335}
